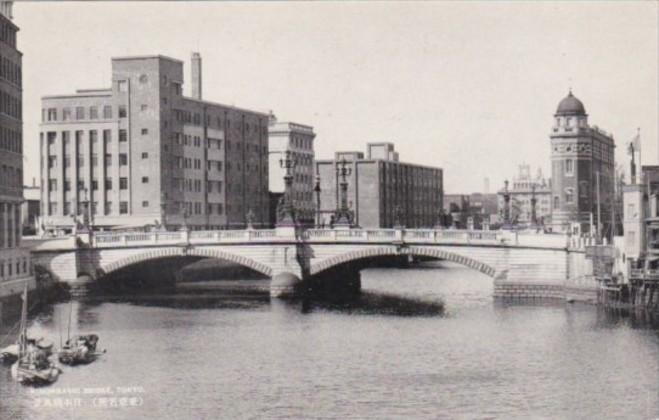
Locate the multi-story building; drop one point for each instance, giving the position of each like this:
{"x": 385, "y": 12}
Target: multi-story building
{"x": 523, "y": 189}
{"x": 295, "y": 142}
{"x": 382, "y": 191}
{"x": 582, "y": 171}
{"x": 15, "y": 265}
{"x": 141, "y": 153}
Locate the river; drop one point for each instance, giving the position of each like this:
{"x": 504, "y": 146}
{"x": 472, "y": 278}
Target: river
{"x": 421, "y": 343}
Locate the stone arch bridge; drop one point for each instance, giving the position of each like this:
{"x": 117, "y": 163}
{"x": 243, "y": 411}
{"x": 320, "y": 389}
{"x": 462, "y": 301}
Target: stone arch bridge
{"x": 523, "y": 265}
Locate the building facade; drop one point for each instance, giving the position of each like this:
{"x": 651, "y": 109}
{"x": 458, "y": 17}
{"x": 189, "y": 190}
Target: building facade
{"x": 382, "y": 191}
{"x": 295, "y": 141}
{"x": 523, "y": 189}
{"x": 15, "y": 264}
{"x": 582, "y": 171}
{"x": 141, "y": 153}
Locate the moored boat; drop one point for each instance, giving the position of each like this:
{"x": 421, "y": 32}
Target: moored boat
{"x": 33, "y": 366}
{"x": 79, "y": 349}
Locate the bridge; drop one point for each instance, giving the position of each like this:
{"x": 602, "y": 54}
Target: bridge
{"x": 521, "y": 265}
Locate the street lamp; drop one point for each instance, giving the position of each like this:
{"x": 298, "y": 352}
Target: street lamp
{"x": 250, "y": 219}
{"x": 534, "y": 220}
{"x": 285, "y": 209}
{"x": 163, "y": 211}
{"x": 85, "y": 209}
{"x": 185, "y": 214}
{"x": 506, "y": 206}
{"x": 316, "y": 189}
{"x": 343, "y": 217}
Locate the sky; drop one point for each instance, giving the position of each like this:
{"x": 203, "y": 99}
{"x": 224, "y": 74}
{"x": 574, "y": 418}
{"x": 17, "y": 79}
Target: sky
{"x": 467, "y": 86}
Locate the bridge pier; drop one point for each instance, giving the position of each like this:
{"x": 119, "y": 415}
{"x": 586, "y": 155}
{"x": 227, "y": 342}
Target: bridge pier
{"x": 285, "y": 285}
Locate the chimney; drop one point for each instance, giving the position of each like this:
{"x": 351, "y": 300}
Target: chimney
{"x": 196, "y": 75}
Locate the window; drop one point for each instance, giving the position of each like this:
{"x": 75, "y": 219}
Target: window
{"x": 94, "y": 159}
{"x": 67, "y": 185}
{"x": 143, "y": 107}
{"x": 93, "y": 113}
{"x": 145, "y": 204}
{"x": 107, "y": 137}
{"x": 569, "y": 167}
{"x": 107, "y": 112}
{"x": 108, "y": 184}
{"x": 52, "y": 161}
{"x": 80, "y": 113}
{"x": 122, "y": 111}
{"x": 145, "y": 131}
{"x": 145, "y": 155}
{"x": 108, "y": 207}
{"x": 52, "y": 114}
{"x": 122, "y": 85}
{"x": 66, "y": 114}
{"x": 123, "y": 136}
{"x": 123, "y": 159}
{"x": 52, "y": 184}
{"x": 631, "y": 211}
{"x": 123, "y": 183}
{"x": 108, "y": 159}
{"x": 145, "y": 180}
{"x": 94, "y": 185}
{"x": 569, "y": 195}
{"x": 123, "y": 207}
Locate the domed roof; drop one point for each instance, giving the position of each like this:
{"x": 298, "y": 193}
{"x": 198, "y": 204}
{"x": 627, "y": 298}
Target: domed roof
{"x": 570, "y": 105}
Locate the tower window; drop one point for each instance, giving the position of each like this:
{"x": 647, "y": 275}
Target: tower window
{"x": 569, "y": 167}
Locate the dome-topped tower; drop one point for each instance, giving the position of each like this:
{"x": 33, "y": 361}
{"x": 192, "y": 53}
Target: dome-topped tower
{"x": 570, "y": 105}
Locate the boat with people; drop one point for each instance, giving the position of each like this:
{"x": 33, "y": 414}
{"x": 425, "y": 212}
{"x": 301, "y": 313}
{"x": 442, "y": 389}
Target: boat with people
{"x": 33, "y": 365}
{"x": 79, "y": 349}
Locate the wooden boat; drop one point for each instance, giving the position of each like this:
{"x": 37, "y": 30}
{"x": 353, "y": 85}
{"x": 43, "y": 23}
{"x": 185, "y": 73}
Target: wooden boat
{"x": 79, "y": 349}
{"x": 32, "y": 366}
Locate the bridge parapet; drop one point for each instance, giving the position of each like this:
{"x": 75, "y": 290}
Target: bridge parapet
{"x": 114, "y": 239}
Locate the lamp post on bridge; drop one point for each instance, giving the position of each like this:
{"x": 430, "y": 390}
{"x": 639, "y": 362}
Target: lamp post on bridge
{"x": 534, "y": 200}
{"x": 316, "y": 189}
{"x": 85, "y": 210}
{"x": 285, "y": 209}
{"x": 343, "y": 216}
{"x": 506, "y": 206}
{"x": 163, "y": 211}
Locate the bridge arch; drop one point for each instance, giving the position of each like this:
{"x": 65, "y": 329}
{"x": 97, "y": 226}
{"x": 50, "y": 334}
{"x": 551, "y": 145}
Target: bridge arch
{"x": 365, "y": 253}
{"x": 160, "y": 253}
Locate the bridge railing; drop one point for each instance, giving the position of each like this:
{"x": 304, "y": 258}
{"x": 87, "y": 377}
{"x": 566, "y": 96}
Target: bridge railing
{"x": 119, "y": 239}
{"x": 436, "y": 236}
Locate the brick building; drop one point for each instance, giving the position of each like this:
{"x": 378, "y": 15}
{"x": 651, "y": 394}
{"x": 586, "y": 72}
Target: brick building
{"x": 582, "y": 159}
{"x": 141, "y": 153}
{"x": 298, "y": 141}
{"x": 380, "y": 186}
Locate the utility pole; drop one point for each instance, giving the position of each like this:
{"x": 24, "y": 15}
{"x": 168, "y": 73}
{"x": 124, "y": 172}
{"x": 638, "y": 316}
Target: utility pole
{"x": 599, "y": 207}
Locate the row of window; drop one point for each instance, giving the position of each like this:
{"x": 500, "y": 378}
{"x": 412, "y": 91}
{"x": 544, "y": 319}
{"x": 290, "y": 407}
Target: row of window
{"x": 197, "y": 207}
{"x": 11, "y": 140}
{"x": 83, "y": 113}
{"x": 123, "y": 184}
{"x": 301, "y": 143}
{"x": 15, "y": 268}
{"x": 7, "y": 34}
{"x": 80, "y": 162}
{"x": 11, "y": 177}
{"x": 10, "y": 71}
{"x": 188, "y": 117}
{"x": 11, "y": 105}
{"x": 123, "y": 208}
